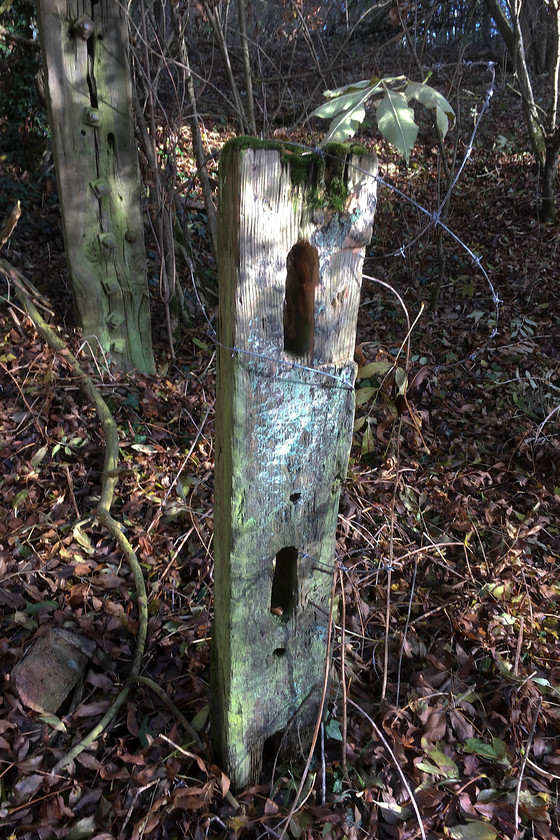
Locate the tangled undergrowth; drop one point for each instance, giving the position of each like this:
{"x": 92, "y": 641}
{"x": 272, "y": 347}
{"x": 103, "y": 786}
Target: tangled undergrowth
{"x": 446, "y": 638}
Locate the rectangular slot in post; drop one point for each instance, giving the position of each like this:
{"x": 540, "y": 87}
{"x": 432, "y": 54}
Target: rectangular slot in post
{"x": 302, "y": 278}
{"x": 284, "y": 582}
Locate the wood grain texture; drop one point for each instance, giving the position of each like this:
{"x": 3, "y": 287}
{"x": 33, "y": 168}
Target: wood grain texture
{"x": 283, "y": 436}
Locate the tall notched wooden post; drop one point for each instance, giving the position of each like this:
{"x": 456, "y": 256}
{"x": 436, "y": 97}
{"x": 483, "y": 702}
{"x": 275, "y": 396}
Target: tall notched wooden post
{"x": 85, "y": 56}
{"x": 292, "y": 234}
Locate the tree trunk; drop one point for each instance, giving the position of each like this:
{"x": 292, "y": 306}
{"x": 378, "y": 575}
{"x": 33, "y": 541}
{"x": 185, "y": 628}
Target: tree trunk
{"x": 543, "y": 133}
{"x": 548, "y": 186}
{"x": 96, "y": 159}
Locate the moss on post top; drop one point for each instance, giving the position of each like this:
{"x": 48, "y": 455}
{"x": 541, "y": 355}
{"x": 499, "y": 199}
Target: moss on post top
{"x": 323, "y": 170}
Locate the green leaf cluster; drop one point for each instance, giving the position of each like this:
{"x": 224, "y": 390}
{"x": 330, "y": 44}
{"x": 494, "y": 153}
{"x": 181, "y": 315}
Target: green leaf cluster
{"x": 346, "y": 107}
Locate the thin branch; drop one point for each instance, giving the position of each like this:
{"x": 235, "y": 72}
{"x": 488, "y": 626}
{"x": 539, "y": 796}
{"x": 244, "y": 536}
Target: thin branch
{"x": 228, "y": 796}
{"x": 343, "y": 673}
{"x": 524, "y": 764}
{"x": 390, "y": 566}
{"x": 395, "y": 762}
{"x": 296, "y": 804}
{"x": 222, "y": 46}
{"x": 10, "y": 224}
{"x": 406, "y": 628}
{"x": 109, "y": 480}
{"x": 556, "y": 71}
{"x": 31, "y": 43}
{"x": 249, "y": 99}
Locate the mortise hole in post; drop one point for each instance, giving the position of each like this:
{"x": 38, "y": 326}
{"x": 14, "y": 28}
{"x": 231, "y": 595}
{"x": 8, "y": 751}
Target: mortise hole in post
{"x": 284, "y": 582}
{"x": 271, "y": 747}
{"x": 302, "y": 278}
{"x": 295, "y": 498}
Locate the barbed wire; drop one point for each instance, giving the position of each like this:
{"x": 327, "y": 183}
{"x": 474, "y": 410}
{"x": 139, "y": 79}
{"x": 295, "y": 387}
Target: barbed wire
{"x": 435, "y": 221}
{"x": 239, "y": 351}
{"x": 435, "y": 216}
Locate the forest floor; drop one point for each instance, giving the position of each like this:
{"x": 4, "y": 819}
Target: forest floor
{"x": 448, "y": 543}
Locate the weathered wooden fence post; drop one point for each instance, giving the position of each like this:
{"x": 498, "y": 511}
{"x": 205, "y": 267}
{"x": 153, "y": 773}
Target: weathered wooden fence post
{"x": 292, "y": 233}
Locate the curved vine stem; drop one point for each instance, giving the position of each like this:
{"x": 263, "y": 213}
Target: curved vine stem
{"x": 109, "y": 480}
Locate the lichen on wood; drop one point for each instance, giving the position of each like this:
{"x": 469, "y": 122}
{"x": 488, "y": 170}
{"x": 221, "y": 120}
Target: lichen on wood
{"x": 283, "y": 433}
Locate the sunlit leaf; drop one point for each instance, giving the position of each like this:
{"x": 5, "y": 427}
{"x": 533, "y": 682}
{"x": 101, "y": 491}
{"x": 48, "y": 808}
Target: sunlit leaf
{"x": 341, "y": 91}
{"x": 364, "y": 394}
{"x": 395, "y": 120}
{"x": 474, "y": 745}
{"x": 446, "y": 765}
{"x": 39, "y": 455}
{"x": 345, "y": 106}
{"x": 431, "y": 98}
{"x": 368, "y": 440}
{"x": 373, "y": 84}
{"x": 145, "y": 448}
{"x": 344, "y": 102}
{"x": 54, "y": 722}
{"x": 374, "y": 369}
{"x": 426, "y": 767}
{"x": 346, "y": 124}
{"x": 400, "y": 812}
{"x": 472, "y": 831}
{"x": 82, "y": 538}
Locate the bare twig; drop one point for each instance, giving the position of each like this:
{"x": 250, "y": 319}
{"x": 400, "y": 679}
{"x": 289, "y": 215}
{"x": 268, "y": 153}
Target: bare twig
{"x": 110, "y": 477}
{"x": 10, "y": 224}
{"x": 542, "y": 771}
{"x": 390, "y": 565}
{"x": 407, "y": 625}
{"x": 228, "y": 796}
{"x": 22, "y": 284}
{"x": 519, "y": 646}
{"x": 343, "y": 672}
{"x": 249, "y": 100}
{"x": 199, "y": 431}
{"x": 141, "y": 679}
{"x": 395, "y": 762}
{"x": 296, "y": 804}
{"x": 402, "y": 303}
{"x": 71, "y": 491}
{"x": 523, "y": 765}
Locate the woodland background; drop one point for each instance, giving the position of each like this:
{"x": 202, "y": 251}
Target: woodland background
{"x": 446, "y": 651}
